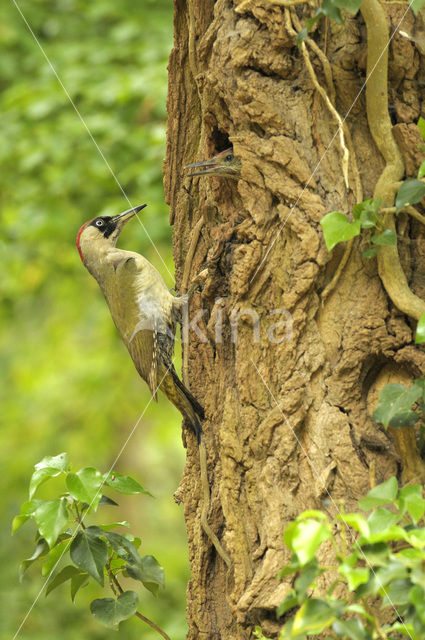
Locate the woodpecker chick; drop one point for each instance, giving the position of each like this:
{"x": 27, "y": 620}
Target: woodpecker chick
{"x": 224, "y": 164}
{"x": 143, "y": 310}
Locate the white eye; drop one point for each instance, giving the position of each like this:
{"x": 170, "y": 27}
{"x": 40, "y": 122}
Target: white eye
{"x": 99, "y": 223}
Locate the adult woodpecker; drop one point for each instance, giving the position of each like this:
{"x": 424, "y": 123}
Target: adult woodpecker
{"x": 224, "y": 164}
{"x": 142, "y": 308}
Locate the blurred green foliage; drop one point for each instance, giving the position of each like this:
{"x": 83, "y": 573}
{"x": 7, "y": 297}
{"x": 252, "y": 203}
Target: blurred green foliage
{"x": 67, "y": 382}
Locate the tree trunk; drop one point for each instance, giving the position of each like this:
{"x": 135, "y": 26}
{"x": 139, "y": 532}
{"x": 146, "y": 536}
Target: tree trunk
{"x": 288, "y": 377}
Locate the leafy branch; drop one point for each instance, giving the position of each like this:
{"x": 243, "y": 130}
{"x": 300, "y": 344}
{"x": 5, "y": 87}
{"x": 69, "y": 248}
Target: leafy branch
{"x": 96, "y": 551}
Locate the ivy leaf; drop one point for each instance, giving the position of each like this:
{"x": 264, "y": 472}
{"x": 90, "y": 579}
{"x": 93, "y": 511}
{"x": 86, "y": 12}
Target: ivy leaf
{"x": 349, "y": 5}
{"x": 305, "y": 537}
{"x": 67, "y": 573}
{"x": 410, "y": 192}
{"x": 421, "y": 126}
{"x": 337, "y": 228}
{"x": 331, "y": 10}
{"x": 312, "y": 617}
{"x": 352, "y": 629}
{"x": 301, "y": 36}
{"x": 382, "y": 494}
{"x": 85, "y": 485}
{"x": 354, "y": 575}
{"x": 410, "y": 500}
{"x": 421, "y": 170}
{"x": 111, "y": 612}
{"x": 289, "y": 602}
{"x": 394, "y": 407}
{"x": 148, "y": 571}
{"x": 370, "y": 253}
{"x": 420, "y": 330}
{"x": 124, "y": 484}
{"x": 90, "y": 553}
{"x": 51, "y": 517}
{"x": 367, "y": 212}
{"x": 387, "y": 238}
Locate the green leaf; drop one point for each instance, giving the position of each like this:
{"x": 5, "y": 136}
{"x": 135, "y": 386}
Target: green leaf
{"x": 421, "y": 126}
{"x": 387, "y": 238}
{"x": 305, "y": 537}
{"x": 354, "y": 575}
{"x": 367, "y": 212}
{"x": 376, "y": 554}
{"x": 90, "y": 553}
{"x": 41, "y": 475}
{"x": 59, "y": 462}
{"x": 352, "y": 629}
{"x": 111, "y": 612}
{"x": 85, "y": 485}
{"x": 313, "y": 616}
{"x": 124, "y": 484}
{"x": 123, "y": 547}
{"x": 51, "y": 517}
{"x": 394, "y": 407}
{"x": 40, "y": 550}
{"x": 381, "y": 519}
{"x": 410, "y": 192}
{"x": 301, "y": 36}
{"x": 357, "y": 521}
{"x": 349, "y": 5}
{"x": 420, "y": 330}
{"x": 416, "y": 6}
{"x": 421, "y": 170}
{"x": 114, "y": 525}
{"x": 370, "y": 253}
{"x": 396, "y": 592}
{"x": 289, "y": 602}
{"x": 416, "y": 597}
{"x": 410, "y": 500}
{"x": 416, "y": 537}
{"x": 380, "y": 495}
{"x": 78, "y": 582}
{"x": 148, "y": 571}
{"x": 18, "y": 521}
{"x": 108, "y": 501}
{"x": 66, "y": 574}
{"x": 336, "y": 228}
{"x": 394, "y": 570}
{"x": 330, "y": 10}
{"x": 54, "y": 555}
{"x": 309, "y": 573}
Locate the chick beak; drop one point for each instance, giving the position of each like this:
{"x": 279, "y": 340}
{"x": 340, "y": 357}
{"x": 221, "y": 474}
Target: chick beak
{"x": 207, "y": 167}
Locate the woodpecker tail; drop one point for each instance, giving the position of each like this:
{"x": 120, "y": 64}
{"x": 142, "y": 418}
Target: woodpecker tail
{"x": 181, "y": 398}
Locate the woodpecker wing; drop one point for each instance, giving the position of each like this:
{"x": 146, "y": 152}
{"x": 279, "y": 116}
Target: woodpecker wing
{"x": 147, "y": 308}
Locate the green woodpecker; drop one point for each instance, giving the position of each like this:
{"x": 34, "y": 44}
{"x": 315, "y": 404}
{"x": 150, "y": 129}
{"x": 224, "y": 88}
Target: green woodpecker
{"x": 224, "y": 164}
{"x": 142, "y": 308}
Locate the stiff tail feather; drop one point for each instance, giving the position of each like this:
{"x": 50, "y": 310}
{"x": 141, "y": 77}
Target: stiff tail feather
{"x": 185, "y": 402}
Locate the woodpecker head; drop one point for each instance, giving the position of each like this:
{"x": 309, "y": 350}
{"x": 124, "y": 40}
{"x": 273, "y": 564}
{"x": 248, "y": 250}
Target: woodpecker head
{"x": 224, "y": 164}
{"x": 101, "y": 232}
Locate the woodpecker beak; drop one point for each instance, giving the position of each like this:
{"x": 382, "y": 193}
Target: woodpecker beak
{"x": 207, "y": 167}
{"x": 124, "y": 217}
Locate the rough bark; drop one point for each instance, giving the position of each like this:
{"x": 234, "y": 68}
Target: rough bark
{"x": 285, "y": 423}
